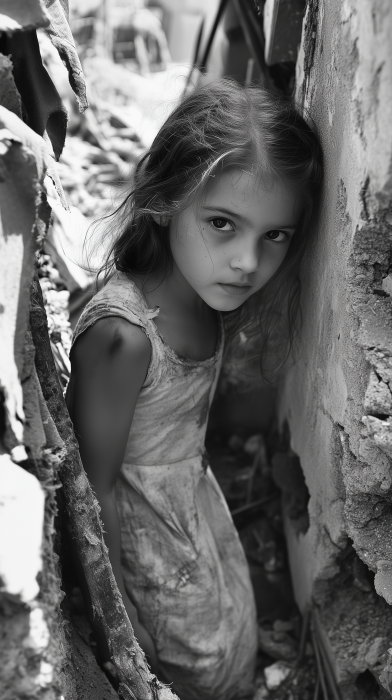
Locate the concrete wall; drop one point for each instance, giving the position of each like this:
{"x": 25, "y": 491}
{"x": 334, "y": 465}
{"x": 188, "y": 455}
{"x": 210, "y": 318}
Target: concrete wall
{"x": 337, "y": 399}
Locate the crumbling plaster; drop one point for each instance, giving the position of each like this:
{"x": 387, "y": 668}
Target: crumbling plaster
{"x": 337, "y": 397}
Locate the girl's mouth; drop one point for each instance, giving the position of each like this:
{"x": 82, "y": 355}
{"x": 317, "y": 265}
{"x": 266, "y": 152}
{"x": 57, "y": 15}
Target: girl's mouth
{"x": 236, "y": 289}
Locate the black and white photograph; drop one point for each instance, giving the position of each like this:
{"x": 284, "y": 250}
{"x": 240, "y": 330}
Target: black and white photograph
{"x": 195, "y": 349}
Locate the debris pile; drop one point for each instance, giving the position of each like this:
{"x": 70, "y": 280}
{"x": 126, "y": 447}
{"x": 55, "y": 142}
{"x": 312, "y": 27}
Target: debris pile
{"x": 56, "y": 300}
{"x": 243, "y": 469}
{"x": 102, "y": 144}
{"x": 97, "y": 162}
{"x": 245, "y": 466}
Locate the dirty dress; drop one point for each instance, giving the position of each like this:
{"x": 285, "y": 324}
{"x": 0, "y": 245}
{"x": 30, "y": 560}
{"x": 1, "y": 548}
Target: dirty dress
{"x": 183, "y": 564}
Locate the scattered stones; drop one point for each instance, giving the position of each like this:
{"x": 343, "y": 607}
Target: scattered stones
{"x": 378, "y": 398}
{"x": 261, "y": 693}
{"x": 56, "y": 300}
{"x": 276, "y": 674}
{"x": 252, "y": 444}
{"x": 387, "y": 284}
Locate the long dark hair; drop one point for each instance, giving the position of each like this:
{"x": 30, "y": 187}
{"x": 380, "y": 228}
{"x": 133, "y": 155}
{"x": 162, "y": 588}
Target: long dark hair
{"x": 222, "y": 126}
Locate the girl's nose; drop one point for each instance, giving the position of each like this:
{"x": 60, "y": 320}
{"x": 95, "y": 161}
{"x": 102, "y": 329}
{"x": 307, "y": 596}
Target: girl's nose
{"x": 246, "y": 260}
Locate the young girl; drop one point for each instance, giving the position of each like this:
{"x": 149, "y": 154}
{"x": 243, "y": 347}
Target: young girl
{"x": 211, "y": 236}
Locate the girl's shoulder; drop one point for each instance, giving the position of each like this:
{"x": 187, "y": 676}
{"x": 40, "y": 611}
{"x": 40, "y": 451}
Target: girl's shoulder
{"x": 119, "y": 297}
{"x": 122, "y": 292}
{"x": 118, "y": 301}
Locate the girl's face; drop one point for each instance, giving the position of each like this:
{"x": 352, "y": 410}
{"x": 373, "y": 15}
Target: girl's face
{"x": 227, "y": 246}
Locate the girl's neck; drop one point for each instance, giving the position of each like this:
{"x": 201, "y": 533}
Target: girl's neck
{"x": 170, "y": 291}
{"x": 187, "y": 324}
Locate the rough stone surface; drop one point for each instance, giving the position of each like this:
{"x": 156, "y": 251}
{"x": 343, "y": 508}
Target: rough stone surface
{"x": 337, "y": 399}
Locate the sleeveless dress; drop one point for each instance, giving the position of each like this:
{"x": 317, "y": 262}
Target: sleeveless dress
{"x": 183, "y": 564}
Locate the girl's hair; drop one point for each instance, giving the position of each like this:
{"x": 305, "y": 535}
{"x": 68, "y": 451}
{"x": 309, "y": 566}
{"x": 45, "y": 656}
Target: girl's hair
{"x": 222, "y": 126}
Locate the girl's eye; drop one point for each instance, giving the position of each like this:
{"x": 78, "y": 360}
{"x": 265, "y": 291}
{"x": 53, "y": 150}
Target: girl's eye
{"x": 222, "y": 224}
{"x": 277, "y": 236}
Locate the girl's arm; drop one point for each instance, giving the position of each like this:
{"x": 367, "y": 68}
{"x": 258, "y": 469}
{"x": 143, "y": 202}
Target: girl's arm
{"x": 109, "y": 364}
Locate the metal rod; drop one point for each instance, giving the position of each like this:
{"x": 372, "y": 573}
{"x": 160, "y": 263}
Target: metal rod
{"x": 198, "y": 42}
{"x": 319, "y": 665}
{"x": 317, "y": 688}
{"x": 249, "y": 72}
{"x": 202, "y": 64}
{"x": 252, "y": 20}
{"x": 261, "y": 502}
{"x": 304, "y": 634}
{"x": 329, "y": 673}
{"x": 326, "y": 663}
{"x": 253, "y": 40}
{"x": 252, "y": 477}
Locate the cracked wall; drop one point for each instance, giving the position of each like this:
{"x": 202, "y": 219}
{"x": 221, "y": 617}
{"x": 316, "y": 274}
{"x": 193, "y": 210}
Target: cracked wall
{"x": 337, "y": 398}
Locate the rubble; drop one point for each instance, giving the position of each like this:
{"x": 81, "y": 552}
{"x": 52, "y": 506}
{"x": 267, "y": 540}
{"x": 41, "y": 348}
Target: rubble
{"x": 276, "y": 674}
{"x": 242, "y": 464}
{"x": 102, "y": 147}
{"x": 261, "y": 692}
{"x": 278, "y": 644}
{"x": 56, "y": 299}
